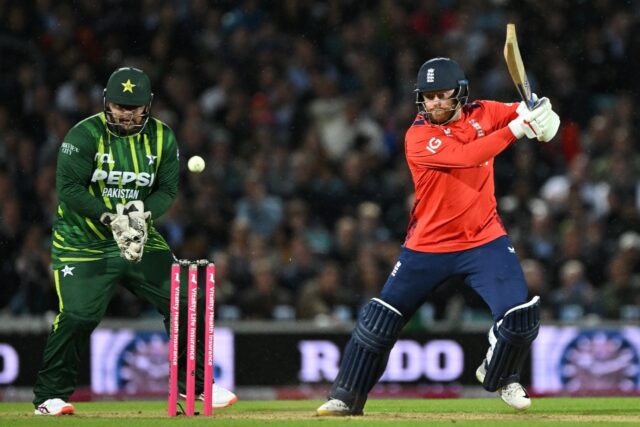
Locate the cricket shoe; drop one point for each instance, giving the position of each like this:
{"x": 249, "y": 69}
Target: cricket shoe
{"x": 222, "y": 397}
{"x": 54, "y": 407}
{"x": 512, "y": 394}
{"x": 481, "y": 372}
{"x": 334, "y": 407}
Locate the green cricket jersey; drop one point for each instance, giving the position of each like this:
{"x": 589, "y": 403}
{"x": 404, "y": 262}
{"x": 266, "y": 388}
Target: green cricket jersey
{"x": 95, "y": 171}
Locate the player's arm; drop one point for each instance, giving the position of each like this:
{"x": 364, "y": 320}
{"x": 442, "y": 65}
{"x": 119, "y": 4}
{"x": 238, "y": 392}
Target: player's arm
{"x": 503, "y": 113}
{"x": 161, "y": 199}
{"x": 73, "y": 173}
{"x": 441, "y": 151}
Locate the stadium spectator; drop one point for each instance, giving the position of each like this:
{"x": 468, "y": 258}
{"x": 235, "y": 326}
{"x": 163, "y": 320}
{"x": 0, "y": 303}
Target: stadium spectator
{"x": 315, "y": 104}
{"x": 325, "y": 298}
{"x": 576, "y": 296}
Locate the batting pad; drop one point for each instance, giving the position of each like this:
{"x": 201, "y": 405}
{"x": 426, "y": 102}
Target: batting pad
{"x": 514, "y": 333}
{"x": 367, "y": 353}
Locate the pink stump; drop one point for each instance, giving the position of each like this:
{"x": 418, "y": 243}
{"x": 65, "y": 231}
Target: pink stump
{"x": 174, "y": 322}
{"x": 209, "y": 314}
{"x": 192, "y": 316}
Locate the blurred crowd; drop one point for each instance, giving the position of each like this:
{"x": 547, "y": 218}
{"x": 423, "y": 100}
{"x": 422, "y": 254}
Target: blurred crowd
{"x": 299, "y": 109}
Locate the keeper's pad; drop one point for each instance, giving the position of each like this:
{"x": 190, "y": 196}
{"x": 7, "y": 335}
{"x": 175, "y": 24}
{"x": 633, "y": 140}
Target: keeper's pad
{"x": 366, "y": 354}
{"x": 514, "y": 335}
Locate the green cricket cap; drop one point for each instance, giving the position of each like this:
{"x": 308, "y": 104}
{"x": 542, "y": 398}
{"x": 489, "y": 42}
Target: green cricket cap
{"x": 128, "y": 86}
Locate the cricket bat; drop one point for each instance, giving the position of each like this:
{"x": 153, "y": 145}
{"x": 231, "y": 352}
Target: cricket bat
{"x": 516, "y": 67}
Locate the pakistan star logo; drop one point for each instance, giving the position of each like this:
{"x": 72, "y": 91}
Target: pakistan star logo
{"x": 128, "y": 86}
{"x": 67, "y": 271}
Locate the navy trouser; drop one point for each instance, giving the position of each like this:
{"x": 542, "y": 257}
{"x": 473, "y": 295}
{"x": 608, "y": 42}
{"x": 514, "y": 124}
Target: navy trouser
{"x": 492, "y": 270}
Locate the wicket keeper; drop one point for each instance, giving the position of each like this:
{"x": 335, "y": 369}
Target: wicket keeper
{"x": 117, "y": 172}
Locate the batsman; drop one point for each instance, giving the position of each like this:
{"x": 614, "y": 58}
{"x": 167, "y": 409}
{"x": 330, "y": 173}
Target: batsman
{"x": 117, "y": 171}
{"x": 454, "y": 231}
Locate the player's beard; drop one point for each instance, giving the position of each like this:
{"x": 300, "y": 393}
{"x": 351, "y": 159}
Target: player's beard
{"x": 128, "y": 125}
{"x": 439, "y": 116}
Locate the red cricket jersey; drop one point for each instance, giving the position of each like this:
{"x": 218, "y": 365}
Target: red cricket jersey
{"x": 452, "y": 169}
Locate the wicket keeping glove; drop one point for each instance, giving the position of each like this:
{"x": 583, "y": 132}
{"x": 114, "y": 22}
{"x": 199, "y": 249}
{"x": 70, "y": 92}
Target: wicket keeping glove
{"x": 119, "y": 224}
{"x": 138, "y": 230}
{"x": 129, "y": 227}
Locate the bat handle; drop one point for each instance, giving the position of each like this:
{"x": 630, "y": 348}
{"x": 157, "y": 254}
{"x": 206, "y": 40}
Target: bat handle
{"x": 532, "y": 101}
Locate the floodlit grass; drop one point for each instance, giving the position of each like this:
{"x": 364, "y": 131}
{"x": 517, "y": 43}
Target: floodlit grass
{"x": 396, "y": 413}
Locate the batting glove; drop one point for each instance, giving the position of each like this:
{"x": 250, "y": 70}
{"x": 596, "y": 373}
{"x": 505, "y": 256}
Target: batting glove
{"x": 548, "y": 124}
{"x": 525, "y": 124}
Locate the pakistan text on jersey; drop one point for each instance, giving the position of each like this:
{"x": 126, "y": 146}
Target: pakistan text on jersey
{"x": 121, "y": 193}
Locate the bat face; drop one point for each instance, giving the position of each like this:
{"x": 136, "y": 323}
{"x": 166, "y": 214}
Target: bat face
{"x": 516, "y": 67}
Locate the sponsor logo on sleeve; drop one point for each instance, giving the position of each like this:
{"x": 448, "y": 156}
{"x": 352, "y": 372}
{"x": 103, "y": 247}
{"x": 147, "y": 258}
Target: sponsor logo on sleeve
{"x": 433, "y": 144}
{"x": 68, "y": 148}
{"x": 479, "y": 131}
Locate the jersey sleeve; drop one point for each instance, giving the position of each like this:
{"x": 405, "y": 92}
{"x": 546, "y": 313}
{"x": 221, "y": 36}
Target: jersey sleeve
{"x": 161, "y": 199}
{"x": 501, "y": 113}
{"x": 441, "y": 151}
{"x": 73, "y": 173}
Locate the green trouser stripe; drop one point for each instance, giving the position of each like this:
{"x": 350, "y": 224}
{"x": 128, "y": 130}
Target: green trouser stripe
{"x": 56, "y": 279}
{"x": 79, "y": 259}
{"x": 157, "y": 246}
{"x": 95, "y": 229}
{"x": 93, "y": 251}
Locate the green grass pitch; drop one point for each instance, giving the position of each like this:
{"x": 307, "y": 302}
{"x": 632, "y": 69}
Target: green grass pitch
{"x": 573, "y": 411}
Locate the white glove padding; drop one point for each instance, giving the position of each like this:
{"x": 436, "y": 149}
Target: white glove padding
{"x": 525, "y": 124}
{"x": 138, "y": 217}
{"x": 129, "y": 228}
{"x": 548, "y": 124}
{"x": 138, "y": 232}
{"x": 118, "y": 221}
{"x": 132, "y": 251}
